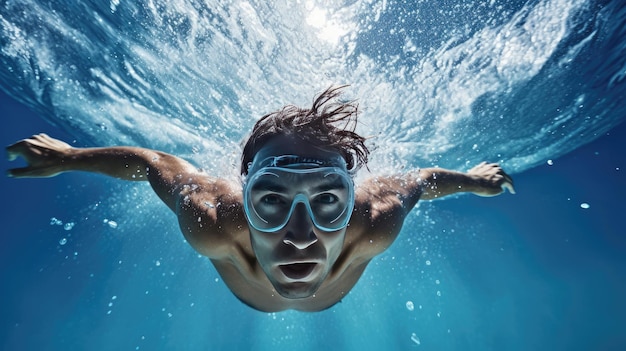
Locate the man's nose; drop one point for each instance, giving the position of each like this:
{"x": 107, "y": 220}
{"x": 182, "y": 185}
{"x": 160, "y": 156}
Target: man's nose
{"x": 300, "y": 229}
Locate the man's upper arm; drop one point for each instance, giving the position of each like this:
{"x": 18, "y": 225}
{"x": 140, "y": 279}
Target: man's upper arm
{"x": 169, "y": 175}
{"x": 382, "y": 204}
{"x": 209, "y": 209}
{"x": 210, "y": 216}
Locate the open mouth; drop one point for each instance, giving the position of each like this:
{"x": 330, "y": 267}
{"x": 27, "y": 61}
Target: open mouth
{"x": 297, "y": 270}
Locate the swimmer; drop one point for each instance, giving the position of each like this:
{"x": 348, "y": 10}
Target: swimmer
{"x": 296, "y": 232}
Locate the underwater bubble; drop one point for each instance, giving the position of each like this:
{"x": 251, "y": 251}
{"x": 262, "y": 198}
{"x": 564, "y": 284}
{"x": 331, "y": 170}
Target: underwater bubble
{"x": 428, "y": 262}
{"x": 410, "y": 306}
{"x": 111, "y": 223}
{"x": 54, "y": 221}
{"x": 63, "y": 241}
{"x": 415, "y": 339}
{"x": 69, "y": 226}
{"x": 584, "y": 205}
{"x": 550, "y": 162}
{"x": 157, "y": 263}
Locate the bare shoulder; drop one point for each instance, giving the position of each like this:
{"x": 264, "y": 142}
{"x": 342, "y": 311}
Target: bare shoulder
{"x": 210, "y": 214}
{"x": 382, "y": 203}
{"x": 384, "y": 195}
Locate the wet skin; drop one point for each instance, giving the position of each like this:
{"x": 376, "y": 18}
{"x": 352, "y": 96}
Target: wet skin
{"x": 298, "y": 267}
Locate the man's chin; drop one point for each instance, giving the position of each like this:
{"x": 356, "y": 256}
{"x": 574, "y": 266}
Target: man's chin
{"x": 296, "y": 290}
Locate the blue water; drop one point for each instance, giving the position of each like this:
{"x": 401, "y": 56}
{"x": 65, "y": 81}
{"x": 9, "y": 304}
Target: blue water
{"x": 95, "y": 263}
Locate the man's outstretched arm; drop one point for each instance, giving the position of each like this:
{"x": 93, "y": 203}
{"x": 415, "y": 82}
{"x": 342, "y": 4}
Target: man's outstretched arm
{"x": 382, "y": 203}
{"x": 402, "y": 191}
{"x": 47, "y": 157}
{"x": 210, "y": 229}
{"x": 486, "y": 179}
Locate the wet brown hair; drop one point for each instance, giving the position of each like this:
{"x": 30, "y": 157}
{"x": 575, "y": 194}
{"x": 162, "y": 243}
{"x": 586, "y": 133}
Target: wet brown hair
{"x": 328, "y": 124}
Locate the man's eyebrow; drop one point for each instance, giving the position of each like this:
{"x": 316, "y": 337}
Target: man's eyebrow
{"x": 269, "y": 186}
{"x": 332, "y": 185}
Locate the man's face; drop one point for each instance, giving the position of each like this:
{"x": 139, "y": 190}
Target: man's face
{"x": 298, "y": 257}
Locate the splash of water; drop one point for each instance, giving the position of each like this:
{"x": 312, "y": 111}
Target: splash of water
{"x": 453, "y": 85}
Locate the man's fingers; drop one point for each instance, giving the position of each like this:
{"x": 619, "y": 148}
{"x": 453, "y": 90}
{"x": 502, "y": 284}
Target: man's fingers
{"x": 11, "y": 156}
{"x": 19, "y": 172}
{"x": 509, "y": 186}
{"x": 31, "y": 172}
{"x": 508, "y": 183}
{"x": 507, "y": 178}
{"x": 15, "y": 150}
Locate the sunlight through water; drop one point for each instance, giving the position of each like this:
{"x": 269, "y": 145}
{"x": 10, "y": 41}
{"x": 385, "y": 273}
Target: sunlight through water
{"x": 436, "y": 85}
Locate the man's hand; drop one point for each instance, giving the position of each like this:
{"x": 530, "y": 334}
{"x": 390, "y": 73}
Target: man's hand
{"x": 44, "y": 155}
{"x": 492, "y": 179}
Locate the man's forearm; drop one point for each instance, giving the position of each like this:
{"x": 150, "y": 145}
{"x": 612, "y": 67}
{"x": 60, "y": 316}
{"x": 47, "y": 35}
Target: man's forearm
{"x": 47, "y": 157}
{"x": 128, "y": 163}
{"x": 439, "y": 182}
{"x": 166, "y": 173}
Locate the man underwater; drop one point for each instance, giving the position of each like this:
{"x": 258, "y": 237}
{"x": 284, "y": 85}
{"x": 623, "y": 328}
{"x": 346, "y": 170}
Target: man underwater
{"x": 296, "y": 233}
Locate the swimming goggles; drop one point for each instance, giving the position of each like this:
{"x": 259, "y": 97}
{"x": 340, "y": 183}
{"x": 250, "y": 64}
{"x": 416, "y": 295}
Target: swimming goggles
{"x": 272, "y": 192}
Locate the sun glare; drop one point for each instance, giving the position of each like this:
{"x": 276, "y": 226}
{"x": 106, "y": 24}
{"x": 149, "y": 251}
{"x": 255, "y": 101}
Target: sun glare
{"x": 327, "y": 29}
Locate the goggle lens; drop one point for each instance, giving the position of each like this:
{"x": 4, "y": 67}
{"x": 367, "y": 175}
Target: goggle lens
{"x": 272, "y": 194}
